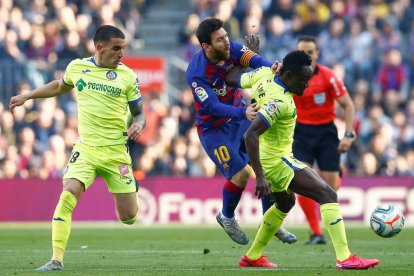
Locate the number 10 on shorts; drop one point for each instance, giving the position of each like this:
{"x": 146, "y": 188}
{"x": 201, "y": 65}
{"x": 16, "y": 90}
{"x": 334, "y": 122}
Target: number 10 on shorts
{"x": 222, "y": 154}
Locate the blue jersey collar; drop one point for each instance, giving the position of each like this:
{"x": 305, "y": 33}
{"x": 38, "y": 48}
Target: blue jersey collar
{"x": 278, "y": 81}
{"x": 92, "y": 59}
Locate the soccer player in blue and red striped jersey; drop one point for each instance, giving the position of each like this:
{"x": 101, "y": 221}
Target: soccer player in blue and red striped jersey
{"x": 222, "y": 116}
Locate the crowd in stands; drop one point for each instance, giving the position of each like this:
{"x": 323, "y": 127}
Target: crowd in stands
{"x": 368, "y": 43}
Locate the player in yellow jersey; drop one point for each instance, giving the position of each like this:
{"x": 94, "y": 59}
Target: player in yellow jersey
{"x": 105, "y": 90}
{"x": 269, "y": 142}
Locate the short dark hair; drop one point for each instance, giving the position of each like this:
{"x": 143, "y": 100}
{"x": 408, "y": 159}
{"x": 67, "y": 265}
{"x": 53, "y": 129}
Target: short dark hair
{"x": 308, "y": 38}
{"x": 206, "y": 28}
{"x": 295, "y": 60}
{"x": 105, "y": 32}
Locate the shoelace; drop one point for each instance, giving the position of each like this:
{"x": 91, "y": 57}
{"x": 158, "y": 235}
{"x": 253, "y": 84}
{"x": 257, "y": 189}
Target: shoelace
{"x": 233, "y": 224}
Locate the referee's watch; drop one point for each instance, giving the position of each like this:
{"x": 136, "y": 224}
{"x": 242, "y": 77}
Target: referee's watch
{"x": 349, "y": 134}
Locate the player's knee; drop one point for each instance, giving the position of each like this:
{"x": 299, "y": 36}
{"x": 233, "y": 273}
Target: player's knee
{"x": 286, "y": 205}
{"x": 241, "y": 177}
{"x": 329, "y": 195}
{"x": 131, "y": 220}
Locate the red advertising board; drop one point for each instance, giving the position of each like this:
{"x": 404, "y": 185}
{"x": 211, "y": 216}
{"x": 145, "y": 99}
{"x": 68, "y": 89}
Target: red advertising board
{"x": 151, "y": 72}
{"x": 193, "y": 200}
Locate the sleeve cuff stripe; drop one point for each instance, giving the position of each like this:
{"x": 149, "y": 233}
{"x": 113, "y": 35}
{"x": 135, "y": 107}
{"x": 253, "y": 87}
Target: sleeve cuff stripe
{"x": 264, "y": 119}
{"x": 135, "y": 101}
{"x": 239, "y": 84}
{"x": 66, "y": 83}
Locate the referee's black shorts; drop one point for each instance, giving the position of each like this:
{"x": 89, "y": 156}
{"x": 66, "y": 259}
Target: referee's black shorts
{"x": 317, "y": 143}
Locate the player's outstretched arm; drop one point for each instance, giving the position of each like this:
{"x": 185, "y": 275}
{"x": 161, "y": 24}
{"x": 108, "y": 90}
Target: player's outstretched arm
{"x": 251, "y": 139}
{"x": 138, "y": 120}
{"x": 52, "y": 89}
{"x": 253, "y": 42}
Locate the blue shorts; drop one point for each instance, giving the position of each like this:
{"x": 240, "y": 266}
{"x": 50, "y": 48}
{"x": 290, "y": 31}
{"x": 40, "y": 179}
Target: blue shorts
{"x": 225, "y": 146}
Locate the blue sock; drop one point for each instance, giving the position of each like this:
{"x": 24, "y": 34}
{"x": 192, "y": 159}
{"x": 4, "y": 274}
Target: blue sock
{"x": 231, "y": 197}
{"x": 266, "y": 203}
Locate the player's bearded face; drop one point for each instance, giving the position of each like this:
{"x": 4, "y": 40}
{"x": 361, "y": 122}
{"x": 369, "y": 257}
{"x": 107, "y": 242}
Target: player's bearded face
{"x": 220, "y": 45}
{"x": 221, "y": 54}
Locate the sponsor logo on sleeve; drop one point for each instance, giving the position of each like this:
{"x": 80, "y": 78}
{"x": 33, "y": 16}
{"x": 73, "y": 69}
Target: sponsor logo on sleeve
{"x": 194, "y": 84}
{"x": 136, "y": 83}
{"x": 201, "y": 93}
{"x": 335, "y": 86}
{"x": 271, "y": 108}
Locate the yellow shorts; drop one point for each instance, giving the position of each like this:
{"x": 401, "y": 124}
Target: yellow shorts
{"x": 112, "y": 163}
{"x": 280, "y": 171}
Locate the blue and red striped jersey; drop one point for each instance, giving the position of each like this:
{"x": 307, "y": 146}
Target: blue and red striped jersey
{"x": 215, "y": 102}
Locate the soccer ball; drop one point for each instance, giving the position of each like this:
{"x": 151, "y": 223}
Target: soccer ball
{"x": 387, "y": 221}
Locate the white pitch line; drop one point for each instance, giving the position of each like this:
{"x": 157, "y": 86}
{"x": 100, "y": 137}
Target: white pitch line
{"x": 86, "y": 250}
{"x": 249, "y": 269}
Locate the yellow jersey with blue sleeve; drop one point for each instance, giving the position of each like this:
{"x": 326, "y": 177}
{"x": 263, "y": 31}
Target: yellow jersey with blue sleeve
{"x": 103, "y": 95}
{"x": 278, "y": 111}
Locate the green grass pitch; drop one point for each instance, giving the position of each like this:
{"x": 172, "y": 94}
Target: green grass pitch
{"x": 109, "y": 249}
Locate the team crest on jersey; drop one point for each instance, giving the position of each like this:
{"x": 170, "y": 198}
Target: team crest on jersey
{"x": 123, "y": 169}
{"x": 319, "y": 98}
{"x": 111, "y": 75}
{"x": 271, "y": 108}
{"x": 201, "y": 93}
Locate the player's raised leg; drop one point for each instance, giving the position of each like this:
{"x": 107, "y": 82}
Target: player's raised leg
{"x": 62, "y": 222}
{"x": 223, "y": 148}
{"x": 232, "y": 192}
{"x": 306, "y": 182}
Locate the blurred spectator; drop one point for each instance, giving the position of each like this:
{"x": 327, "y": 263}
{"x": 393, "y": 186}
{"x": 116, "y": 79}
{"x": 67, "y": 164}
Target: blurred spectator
{"x": 359, "y": 47}
{"x": 155, "y": 111}
{"x": 187, "y": 37}
{"x": 332, "y": 43}
{"x": 392, "y": 76}
{"x": 282, "y": 8}
{"x": 203, "y": 8}
{"x": 278, "y": 41}
{"x": 314, "y": 14}
{"x": 6, "y": 124}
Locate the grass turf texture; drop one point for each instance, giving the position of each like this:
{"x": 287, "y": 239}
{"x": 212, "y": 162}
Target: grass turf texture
{"x": 106, "y": 249}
